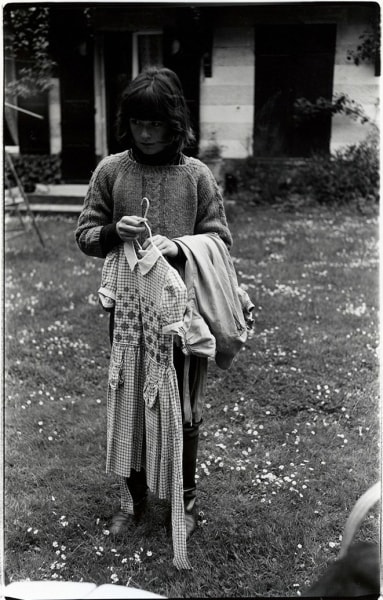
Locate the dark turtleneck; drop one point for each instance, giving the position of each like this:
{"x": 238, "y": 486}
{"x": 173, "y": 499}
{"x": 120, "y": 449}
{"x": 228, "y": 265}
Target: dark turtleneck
{"x": 169, "y": 156}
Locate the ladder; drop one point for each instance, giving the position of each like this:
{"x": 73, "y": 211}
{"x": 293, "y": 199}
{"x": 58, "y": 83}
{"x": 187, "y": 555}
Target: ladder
{"x": 16, "y": 203}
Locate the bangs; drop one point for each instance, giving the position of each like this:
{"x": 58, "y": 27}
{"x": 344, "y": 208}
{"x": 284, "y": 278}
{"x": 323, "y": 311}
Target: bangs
{"x": 155, "y": 95}
{"x": 146, "y": 105}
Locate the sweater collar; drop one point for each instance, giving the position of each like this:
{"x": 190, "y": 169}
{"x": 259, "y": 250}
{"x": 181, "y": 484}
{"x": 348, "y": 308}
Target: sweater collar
{"x": 168, "y": 156}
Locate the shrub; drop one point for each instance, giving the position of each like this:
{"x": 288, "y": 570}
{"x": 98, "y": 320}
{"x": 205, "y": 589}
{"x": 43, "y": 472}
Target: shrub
{"x": 350, "y": 175}
{"x": 266, "y": 182}
{"x": 211, "y": 151}
{"x": 33, "y": 168}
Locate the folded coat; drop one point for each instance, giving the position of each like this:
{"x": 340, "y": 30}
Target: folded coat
{"x": 212, "y": 285}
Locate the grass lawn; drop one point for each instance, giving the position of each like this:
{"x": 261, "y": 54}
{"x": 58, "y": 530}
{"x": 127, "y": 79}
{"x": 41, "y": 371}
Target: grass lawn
{"x": 290, "y": 434}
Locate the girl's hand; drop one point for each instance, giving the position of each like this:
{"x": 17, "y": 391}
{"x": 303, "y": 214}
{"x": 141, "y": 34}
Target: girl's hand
{"x": 129, "y": 228}
{"x": 164, "y": 245}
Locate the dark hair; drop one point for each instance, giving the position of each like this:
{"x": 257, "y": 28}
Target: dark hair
{"x": 155, "y": 95}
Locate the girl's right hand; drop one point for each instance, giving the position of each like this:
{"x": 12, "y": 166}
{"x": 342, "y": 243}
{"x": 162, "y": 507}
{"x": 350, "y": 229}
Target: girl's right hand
{"x": 130, "y": 227}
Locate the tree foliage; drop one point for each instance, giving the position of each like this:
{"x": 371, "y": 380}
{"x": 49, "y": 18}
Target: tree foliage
{"x": 368, "y": 48}
{"x": 305, "y": 109}
{"x": 26, "y": 42}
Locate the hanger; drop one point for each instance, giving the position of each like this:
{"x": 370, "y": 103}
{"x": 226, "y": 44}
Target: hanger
{"x": 146, "y": 200}
{"x": 145, "y": 220}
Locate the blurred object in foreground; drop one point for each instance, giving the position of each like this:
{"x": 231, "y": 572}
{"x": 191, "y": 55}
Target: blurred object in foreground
{"x": 71, "y": 590}
{"x": 357, "y": 570}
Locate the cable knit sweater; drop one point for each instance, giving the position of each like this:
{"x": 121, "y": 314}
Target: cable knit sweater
{"x": 184, "y": 200}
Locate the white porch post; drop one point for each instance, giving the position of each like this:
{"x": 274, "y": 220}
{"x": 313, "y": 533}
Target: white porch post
{"x": 101, "y": 143}
{"x": 54, "y": 115}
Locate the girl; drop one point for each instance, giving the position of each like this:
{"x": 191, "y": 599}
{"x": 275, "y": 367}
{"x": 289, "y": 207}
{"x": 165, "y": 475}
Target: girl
{"x": 184, "y": 199}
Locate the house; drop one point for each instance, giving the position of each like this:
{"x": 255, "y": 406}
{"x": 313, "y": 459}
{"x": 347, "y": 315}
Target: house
{"x": 243, "y": 67}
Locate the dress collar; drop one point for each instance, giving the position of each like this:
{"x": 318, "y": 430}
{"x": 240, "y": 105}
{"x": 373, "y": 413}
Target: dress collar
{"x": 147, "y": 260}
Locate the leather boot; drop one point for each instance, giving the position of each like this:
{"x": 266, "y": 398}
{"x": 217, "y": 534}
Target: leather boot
{"x": 138, "y": 489}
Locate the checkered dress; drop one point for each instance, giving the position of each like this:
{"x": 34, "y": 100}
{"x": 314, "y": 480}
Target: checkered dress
{"x": 144, "y": 421}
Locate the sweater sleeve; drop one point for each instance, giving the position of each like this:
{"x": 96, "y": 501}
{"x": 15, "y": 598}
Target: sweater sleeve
{"x": 211, "y": 217}
{"x": 109, "y": 238}
{"x": 95, "y": 234}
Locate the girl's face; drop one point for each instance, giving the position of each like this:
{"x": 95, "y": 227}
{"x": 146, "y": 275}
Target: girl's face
{"x": 150, "y": 137}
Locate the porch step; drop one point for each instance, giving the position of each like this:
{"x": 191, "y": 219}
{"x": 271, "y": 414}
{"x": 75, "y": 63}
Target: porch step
{"x": 68, "y": 190}
{"x": 55, "y": 208}
{"x": 63, "y": 198}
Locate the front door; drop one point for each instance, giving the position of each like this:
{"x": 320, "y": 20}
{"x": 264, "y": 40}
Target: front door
{"x": 73, "y": 50}
{"x": 291, "y": 61}
{"x": 182, "y": 54}
{"x": 118, "y": 73}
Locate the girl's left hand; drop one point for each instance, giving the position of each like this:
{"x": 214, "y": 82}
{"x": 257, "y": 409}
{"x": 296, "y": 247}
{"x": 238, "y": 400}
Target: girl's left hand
{"x": 164, "y": 245}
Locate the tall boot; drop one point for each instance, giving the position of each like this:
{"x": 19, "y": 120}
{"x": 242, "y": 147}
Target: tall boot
{"x": 189, "y": 463}
{"x": 139, "y": 491}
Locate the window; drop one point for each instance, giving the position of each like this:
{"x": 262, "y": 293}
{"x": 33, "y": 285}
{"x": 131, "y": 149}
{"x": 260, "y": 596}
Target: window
{"x": 147, "y": 50}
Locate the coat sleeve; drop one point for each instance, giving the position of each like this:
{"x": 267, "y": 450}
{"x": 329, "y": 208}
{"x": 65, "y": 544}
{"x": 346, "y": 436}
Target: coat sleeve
{"x": 211, "y": 217}
{"x": 173, "y": 303}
{"x": 97, "y": 212}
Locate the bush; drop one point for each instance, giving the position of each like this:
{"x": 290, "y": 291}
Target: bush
{"x": 266, "y": 182}
{"x": 32, "y": 169}
{"x": 349, "y": 176}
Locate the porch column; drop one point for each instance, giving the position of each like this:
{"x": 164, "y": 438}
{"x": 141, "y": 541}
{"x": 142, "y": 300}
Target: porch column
{"x": 101, "y": 143}
{"x": 54, "y": 113}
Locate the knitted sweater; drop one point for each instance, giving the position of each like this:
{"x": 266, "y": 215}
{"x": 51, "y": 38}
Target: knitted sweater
{"x": 184, "y": 200}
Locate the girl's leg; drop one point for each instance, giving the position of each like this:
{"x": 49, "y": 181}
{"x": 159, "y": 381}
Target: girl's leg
{"x": 121, "y": 521}
{"x": 138, "y": 490}
{"x": 190, "y": 446}
{"x": 189, "y": 463}
{"x": 111, "y": 326}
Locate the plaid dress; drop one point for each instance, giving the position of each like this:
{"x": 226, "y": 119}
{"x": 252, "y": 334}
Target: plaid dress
{"x": 144, "y": 421}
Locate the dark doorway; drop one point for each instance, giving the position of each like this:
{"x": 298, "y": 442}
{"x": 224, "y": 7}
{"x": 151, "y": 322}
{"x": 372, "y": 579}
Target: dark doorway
{"x": 292, "y": 61}
{"x": 73, "y": 50}
{"x": 182, "y": 53}
{"x": 118, "y": 73}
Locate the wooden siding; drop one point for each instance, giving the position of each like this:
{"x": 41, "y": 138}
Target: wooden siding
{"x": 227, "y": 98}
{"x": 357, "y": 81}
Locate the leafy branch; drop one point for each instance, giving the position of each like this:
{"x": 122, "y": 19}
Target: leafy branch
{"x": 26, "y": 41}
{"x": 305, "y": 110}
{"x": 369, "y": 48}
